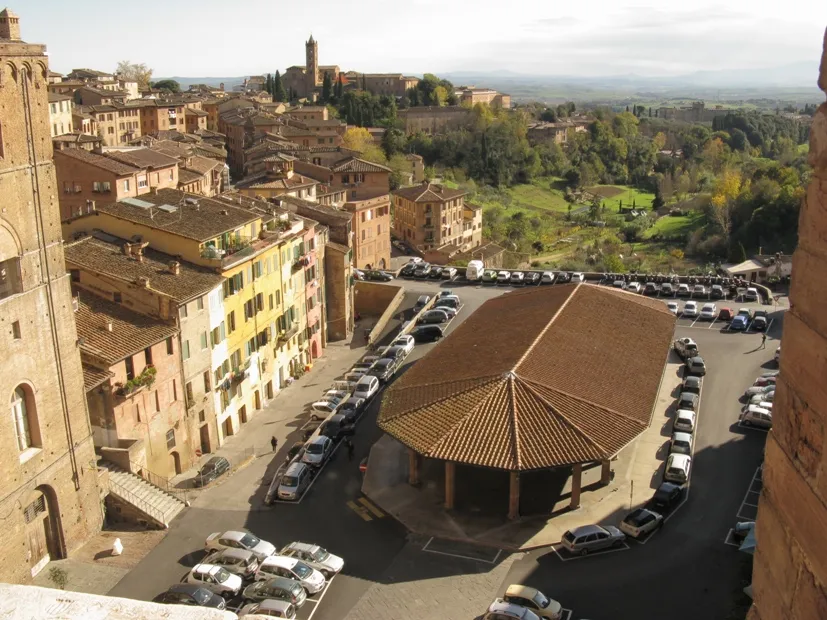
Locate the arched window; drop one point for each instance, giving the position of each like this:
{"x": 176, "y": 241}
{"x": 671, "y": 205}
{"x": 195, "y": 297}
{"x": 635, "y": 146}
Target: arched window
{"x": 25, "y": 419}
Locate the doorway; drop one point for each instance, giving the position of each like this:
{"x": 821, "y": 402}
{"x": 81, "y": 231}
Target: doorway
{"x": 269, "y": 390}
{"x": 205, "y": 439}
{"x": 228, "y": 426}
{"x": 176, "y": 462}
{"x": 257, "y": 399}
{"x": 42, "y": 534}
{"x": 242, "y": 414}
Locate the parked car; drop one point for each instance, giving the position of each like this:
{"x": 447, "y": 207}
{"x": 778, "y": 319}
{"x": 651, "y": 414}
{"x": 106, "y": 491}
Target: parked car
{"x": 717, "y": 292}
{"x": 760, "y": 320}
{"x": 297, "y": 449}
{"x": 634, "y": 287}
{"x": 739, "y": 323}
{"x": 294, "y": 482}
{"x": 751, "y": 294}
{"x": 489, "y": 276}
{"x": 378, "y": 276}
{"x": 415, "y": 260}
{"x": 777, "y": 356}
{"x": 271, "y": 608}
{"x": 690, "y": 309}
{"x": 384, "y": 369}
{"x": 640, "y": 522}
{"x": 685, "y": 347}
{"x": 435, "y": 273}
{"x": 366, "y": 387}
{"x": 684, "y": 421}
{"x": 576, "y": 276}
{"x": 432, "y": 317}
{"x": 337, "y": 427}
{"x": 317, "y": 451}
{"x": 405, "y": 341}
{"x": 547, "y": 277}
{"x": 533, "y": 599}
{"x": 532, "y": 277}
{"x": 763, "y": 404}
{"x": 215, "y": 578}
{"x": 725, "y": 314}
{"x": 408, "y": 270}
{"x": 395, "y": 353}
{"x": 358, "y": 274}
{"x": 765, "y": 380}
{"x": 650, "y": 288}
{"x": 352, "y": 409}
{"x": 688, "y": 400}
{"x": 421, "y": 302}
{"x": 709, "y": 312}
{"x": 691, "y": 384}
{"x": 681, "y": 443}
{"x": 278, "y": 588}
{"x": 696, "y": 366}
{"x": 764, "y": 397}
{"x": 210, "y": 471}
{"x": 427, "y": 333}
{"x": 684, "y": 290}
{"x": 422, "y": 271}
{"x": 588, "y": 538}
{"x": 448, "y": 302}
{"x": 666, "y": 289}
{"x": 321, "y": 409}
{"x": 446, "y": 293}
{"x": 699, "y": 291}
{"x": 503, "y": 277}
{"x": 672, "y": 306}
{"x": 237, "y": 561}
{"x": 448, "y": 273}
{"x": 621, "y": 284}
{"x": 677, "y": 468}
{"x": 564, "y": 277}
{"x": 759, "y": 389}
{"x": 190, "y": 594}
{"x": 667, "y": 496}
{"x": 239, "y": 539}
{"x": 291, "y": 568}
{"x": 500, "y": 610}
{"x": 316, "y": 557}
{"x": 754, "y": 415}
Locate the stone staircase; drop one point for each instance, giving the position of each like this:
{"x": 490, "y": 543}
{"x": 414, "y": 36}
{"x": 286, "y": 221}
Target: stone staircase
{"x": 152, "y": 501}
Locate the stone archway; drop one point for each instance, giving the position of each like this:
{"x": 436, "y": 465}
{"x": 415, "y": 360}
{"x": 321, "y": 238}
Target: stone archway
{"x": 176, "y": 462}
{"x": 44, "y": 534}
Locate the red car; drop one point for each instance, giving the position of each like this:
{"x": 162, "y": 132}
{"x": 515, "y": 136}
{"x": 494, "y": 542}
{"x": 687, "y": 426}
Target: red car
{"x": 725, "y": 314}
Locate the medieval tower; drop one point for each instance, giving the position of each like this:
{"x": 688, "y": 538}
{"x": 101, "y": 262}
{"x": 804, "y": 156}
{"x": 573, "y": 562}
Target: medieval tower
{"x": 312, "y": 57}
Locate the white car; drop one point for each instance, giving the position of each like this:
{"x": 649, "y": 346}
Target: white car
{"x": 317, "y": 451}
{"x": 578, "y": 277}
{"x": 415, "y": 260}
{"x": 765, "y": 381}
{"x": 677, "y": 468}
{"x": 322, "y": 409}
{"x": 406, "y": 342}
{"x": 448, "y": 273}
{"x": 215, "y": 578}
{"x": 634, "y": 287}
{"x": 684, "y": 290}
{"x": 237, "y": 539}
{"x": 681, "y": 443}
{"x": 753, "y": 415}
{"x": 709, "y": 312}
{"x": 547, "y": 277}
{"x": 759, "y": 389}
{"x": 503, "y": 277}
{"x": 500, "y": 610}
{"x": 291, "y": 568}
{"x": 751, "y": 294}
{"x": 672, "y": 306}
{"x": 684, "y": 421}
{"x": 335, "y": 395}
{"x": 316, "y": 557}
{"x": 268, "y": 608}
{"x": 764, "y": 397}
{"x": 517, "y": 277}
{"x": 533, "y": 599}
{"x": 690, "y": 309}
{"x": 640, "y": 522}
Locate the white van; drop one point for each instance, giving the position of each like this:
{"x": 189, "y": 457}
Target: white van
{"x": 366, "y": 387}
{"x": 474, "y": 270}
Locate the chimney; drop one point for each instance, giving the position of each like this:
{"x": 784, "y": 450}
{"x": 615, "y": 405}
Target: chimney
{"x": 142, "y": 282}
{"x": 127, "y": 248}
{"x": 153, "y": 191}
{"x": 109, "y": 326}
{"x": 224, "y": 212}
{"x": 175, "y": 267}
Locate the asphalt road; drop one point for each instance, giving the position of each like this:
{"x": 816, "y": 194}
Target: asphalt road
{"x": 685, "y": 571}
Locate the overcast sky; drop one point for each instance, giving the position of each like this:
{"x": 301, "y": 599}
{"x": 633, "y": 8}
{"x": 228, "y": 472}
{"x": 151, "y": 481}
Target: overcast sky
{"x": 586, "y": 37}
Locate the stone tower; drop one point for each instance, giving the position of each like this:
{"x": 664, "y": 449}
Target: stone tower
{"x": 49, "y": 493}
{"x": 9, "y": 25}
{"x": 312, "y": 55}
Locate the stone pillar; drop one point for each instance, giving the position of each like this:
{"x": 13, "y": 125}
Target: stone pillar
{"x": 576, "y": 481}
{"x": 790, "y": 565}
{"x": 450, "y": 489}
{"x": 413, "y": 468}
{"x": 605, "y": 472}
{"x": 514, "y": 495}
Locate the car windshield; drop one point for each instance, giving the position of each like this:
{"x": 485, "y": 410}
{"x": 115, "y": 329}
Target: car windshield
{"x": 221, "y": 575}
{"x": 540, "y": 600}
{"x": 320, "y": 555}
{"x": 249, "y": 541}
{"x": 289, "y": 481}
{"x": 315, "y": 448}
{"x": 568, "y": 536}
{"x": 302, "y": 570}
{"x": 202, "y": 595}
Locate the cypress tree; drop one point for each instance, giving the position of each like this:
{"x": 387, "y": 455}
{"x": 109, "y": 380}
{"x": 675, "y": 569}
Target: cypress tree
{"x": 364, "y": 83}
{"x": 326, "y": 87}
{"x": 278, "y": 88}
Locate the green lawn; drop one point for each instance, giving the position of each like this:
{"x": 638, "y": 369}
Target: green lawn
{"x": 613, "y": 195}
{"x": 671, "y": 225}
{"x": 528, "y": 198}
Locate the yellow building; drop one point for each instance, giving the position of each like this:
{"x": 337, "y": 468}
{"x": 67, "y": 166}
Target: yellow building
{"x": 258, "y": 335}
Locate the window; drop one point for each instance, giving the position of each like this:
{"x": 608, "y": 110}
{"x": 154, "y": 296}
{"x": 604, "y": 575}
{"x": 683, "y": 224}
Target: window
{"x": 270, "y": 301}
{"x": 248, "y": 309}
{"x": 250, "y": 347}
{"x": 235, "y": 358}
{"x": 25, "y": 419}
{"x": 174, "y": 390}
{"x": 231, "y": 322}
{"x": 157, "y": 401}
{"x": 199, "y": 303}
{"x": 126, "y": 181}
{"x": 116, "y": 297}
{"x": 148, "y": 356}
{"x": 169, "y": 346}
{"x": 186, "y": 349}
{"x": 217, "y": 336}
{"x": 141, "y": 182}
{"x": 182, "y": 311}
{"x": 204, "y": 340}
{"x": 207, "y": 381}
{"x": 202, "y": 417}
{"x": 189, "y": 392}
{"x": 259, "y": 302}
{"x": 170, "y": 439}
{"x": 75, "y": 273}
{"x": 15, "y": 330}
{"x": 130, "y": 368}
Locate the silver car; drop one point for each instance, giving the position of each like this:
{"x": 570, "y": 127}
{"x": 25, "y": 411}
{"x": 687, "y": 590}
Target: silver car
{"x": 294, "y": 482}
{"x": 317, "y": 451}
{"x": 588, "y": 538}
{"x": 237, "y": 561}
{"x": 316, "y": 557}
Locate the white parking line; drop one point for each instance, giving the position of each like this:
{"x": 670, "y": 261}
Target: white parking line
{"x": 458, "y": 555}
{"x": 744, "y": 502}
{"x": 622, "y": 547}
{"x": 321, "y": 596}
{"x": 567, "y": 613}
{"x": 730, "y": 539}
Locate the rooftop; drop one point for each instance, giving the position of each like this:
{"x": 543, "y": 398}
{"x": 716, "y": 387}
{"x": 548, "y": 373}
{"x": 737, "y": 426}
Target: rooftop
{"x": 104, "y": 254}
{"x": 93, "y": 377}
{"x": 143, "y": 158}
{"x": 570, "y": 377}
{"x": 354, "y": 164}
{"x": 55, "y": 97}
{"x": 428, "y": 192}
{"x": 131, "y": 332}
{"x": 99, "y": 161}
{"x": 324, "y": 212}
{"x": 266, "y": 181}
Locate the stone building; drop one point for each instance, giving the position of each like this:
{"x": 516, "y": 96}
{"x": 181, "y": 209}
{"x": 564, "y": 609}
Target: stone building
{"x": 790, "y": 566}
{"x": 557, "y": 132}
{"x": 471, "y": 96}
{"x": 60, "y": 114}
{"x": 49, "y": 493}
{"x": 393, "y": 84}
{"x": 433, "y": 120}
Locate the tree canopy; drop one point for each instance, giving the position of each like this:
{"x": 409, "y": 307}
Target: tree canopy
{"x": 134, "y": 72}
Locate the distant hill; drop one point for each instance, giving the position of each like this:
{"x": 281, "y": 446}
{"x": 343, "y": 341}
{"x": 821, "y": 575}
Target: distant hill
{"x": 186, "y": 82}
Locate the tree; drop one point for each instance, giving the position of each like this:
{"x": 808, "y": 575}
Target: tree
{"x": 278, "y": 88}
{"x": 339, "y": 89}
{"x": 168, "y": 85}
{"x": 393, "y": 142}
{"x": 359, "y": 139}
{"x": 327, "y": 88}
{"x": 364, "y": 83}
{"x": 133, "y": 72}
{"x": 59, "y": 577}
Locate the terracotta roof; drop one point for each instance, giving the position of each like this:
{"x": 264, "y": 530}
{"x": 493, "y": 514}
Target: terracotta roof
{"x": 314, "y": 209}
{"x": 53, "y": 97}
{"x": 343, "y": 249}
{"x": 354, "y": 164}
{"x": 202, "y": 164}
{"x": 76, "y": 137}
{"x": 429, "y": 192}
{"x": 196, "y": 112}
{"x": 131, "y": 332}
{"x": 535, "y": 379}
{"x": 93, "y": 377}
{"x": 143, "y": 158}
{"x": 103, "y": 254}
{"x": 99, "y": 161}
{"x": 185, "y": 177}
{"x": 264, "y": 181}
{"x": 202, "y": 222}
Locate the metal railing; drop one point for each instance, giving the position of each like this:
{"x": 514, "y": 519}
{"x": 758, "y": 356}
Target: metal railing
{"x": 159, "y": 481}
{"x": 141, "y": 504}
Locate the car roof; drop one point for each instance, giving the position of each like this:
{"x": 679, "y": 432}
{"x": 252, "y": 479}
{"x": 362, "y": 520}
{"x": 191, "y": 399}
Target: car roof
{"x": 300, "y": 546}
{"x": 233, "y": 535}
{"x": 206, "y": 569}
{"x": 682, "y": 436}
{"x": 366, "y": 379}
{"x": 320, "y": 439}
{"x": 274, "y": 605}
{"x": 680, "y": 460}
{"x": 233, "y": 552}
{"x": 280, "y": 560}
{"x": 667, "y": 487}
{"x": 423, "y": 298}
{"x": 521, "y": 591}
{"x": 294, "y": 469}
{"x": 501, "y": 606}
{"x": 691, "y": 379}
{"x": 583, "y": 530}
{"x": 685, "y": 413}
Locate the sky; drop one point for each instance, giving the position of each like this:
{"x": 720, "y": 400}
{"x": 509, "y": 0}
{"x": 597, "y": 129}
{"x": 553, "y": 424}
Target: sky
{"x": 206, "y": 38}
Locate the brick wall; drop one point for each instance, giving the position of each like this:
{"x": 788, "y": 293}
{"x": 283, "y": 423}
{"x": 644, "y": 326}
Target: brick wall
{"x": 790, "y": 570}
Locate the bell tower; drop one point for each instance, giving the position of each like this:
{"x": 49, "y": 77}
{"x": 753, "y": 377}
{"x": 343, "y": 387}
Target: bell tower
{"x": 10, "y": 26}
{"x": 312, "y": 55}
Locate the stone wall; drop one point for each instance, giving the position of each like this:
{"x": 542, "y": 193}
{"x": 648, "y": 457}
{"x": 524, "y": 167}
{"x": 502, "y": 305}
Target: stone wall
{"x": 379, "y": 300}
{"x": 790, "y": 570}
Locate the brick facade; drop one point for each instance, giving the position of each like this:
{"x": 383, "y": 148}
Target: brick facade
{"x": 49, "y": 493}
{"x": 790, "y": 571}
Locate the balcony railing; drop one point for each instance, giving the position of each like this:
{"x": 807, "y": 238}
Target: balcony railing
{"x": 289, "y": 333}
{"x": 301, "y": 262}
{"x": 237, "y": 249}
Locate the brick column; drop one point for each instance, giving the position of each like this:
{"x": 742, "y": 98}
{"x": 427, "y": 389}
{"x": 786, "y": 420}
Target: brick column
{"x": 790, "y": 565}
{"x": 450, "y": 489}
{"x": 605, "y": 472}
{"x": 576, "y": 481}
{"x": 514, "y": 495}
{"x": 413, "y": 468}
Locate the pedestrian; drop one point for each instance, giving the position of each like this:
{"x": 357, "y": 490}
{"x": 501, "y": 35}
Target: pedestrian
{"x": 349, "y": 446}
{"x": 274, "y": 442}
{"x": 763, "y": 341}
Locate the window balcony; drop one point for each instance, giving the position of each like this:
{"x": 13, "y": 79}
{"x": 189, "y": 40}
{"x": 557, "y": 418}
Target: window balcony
{"x": 291, "y": 331}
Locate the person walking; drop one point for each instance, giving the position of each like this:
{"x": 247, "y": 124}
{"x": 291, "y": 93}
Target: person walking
{"x": 763, "y": 341}
{"x": 349, "y": 446}
{"x": 274, "y": 442}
